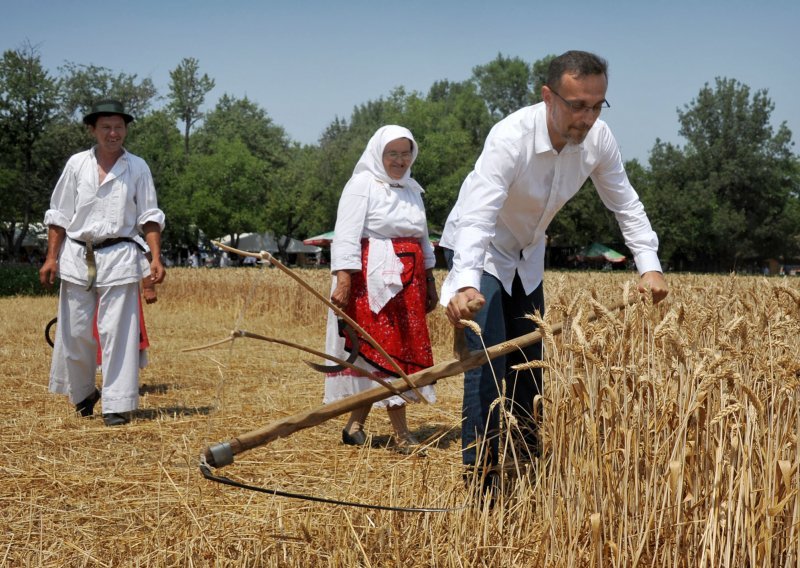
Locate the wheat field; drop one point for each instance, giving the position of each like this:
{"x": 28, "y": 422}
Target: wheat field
{"x": 670, "y": 438}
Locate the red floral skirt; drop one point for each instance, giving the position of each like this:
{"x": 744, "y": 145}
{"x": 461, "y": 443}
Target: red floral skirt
{"x": 400, "y": 328}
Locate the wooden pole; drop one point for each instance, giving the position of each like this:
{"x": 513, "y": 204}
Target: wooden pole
{"x": 221, "y": 454}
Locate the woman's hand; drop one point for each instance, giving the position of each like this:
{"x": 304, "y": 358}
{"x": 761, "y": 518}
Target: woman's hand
{"x": 341, "y": 294}
{"x": 432, "y": 297}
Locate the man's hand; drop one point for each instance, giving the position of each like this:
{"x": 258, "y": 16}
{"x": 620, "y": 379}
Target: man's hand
{"x": 149, "y": 291}
{"x": 157, "y": 271}
{"x": 48, "y": 272}
{"x": 655, "y": 283}
{"x": 461, "y": 306}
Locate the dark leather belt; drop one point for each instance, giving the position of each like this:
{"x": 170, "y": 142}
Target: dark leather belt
{"x": 107, "y": 243}
{"x": 91, "y": 247}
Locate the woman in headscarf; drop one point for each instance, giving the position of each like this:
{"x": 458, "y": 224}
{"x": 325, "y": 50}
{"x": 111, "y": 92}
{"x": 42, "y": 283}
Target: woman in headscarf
{"x": 382, "y": 262}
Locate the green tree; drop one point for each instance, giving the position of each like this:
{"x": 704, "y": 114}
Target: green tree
{"x": 583, "y": 220}
{"x": 505, "y": 84}
{"x": 463, "y": 108}
{"x": 83, "y": 85}
{"x": 456, "y": 123}
{"x": 156, "y": 138}
{"x": 736, "y": 178}
{"x": 243, "y": 119}
{"x": 225, "y": 191}
{"x": 298, "y": 205}
{"x": 187, "y": 93}
{"x": 539, "y": 76}
{"x": 28, "y": 105}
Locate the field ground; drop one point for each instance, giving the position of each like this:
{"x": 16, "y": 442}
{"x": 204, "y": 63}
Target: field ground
{"x": 670, "y": 432}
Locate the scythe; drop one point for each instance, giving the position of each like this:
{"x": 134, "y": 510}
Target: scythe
{"x": 222, "y": 454}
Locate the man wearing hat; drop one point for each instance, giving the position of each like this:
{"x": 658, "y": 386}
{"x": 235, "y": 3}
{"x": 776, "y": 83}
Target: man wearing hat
{"x": 104, "y": 197}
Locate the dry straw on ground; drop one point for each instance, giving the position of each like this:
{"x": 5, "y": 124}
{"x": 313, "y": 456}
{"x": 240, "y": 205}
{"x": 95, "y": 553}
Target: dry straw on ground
{"x": 670, "y": 436}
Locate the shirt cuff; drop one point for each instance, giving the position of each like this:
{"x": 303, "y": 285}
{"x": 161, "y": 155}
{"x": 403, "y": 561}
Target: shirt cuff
{"x": 152, "y": 216}
{"x": 348, "y": 263}
{"x": 56, "y": 217}
{"x": 457, "y": 280}
{"x": 647, "y": 261}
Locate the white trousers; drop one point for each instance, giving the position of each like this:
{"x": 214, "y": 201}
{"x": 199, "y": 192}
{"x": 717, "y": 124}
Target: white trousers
{"x": 74, "y": 364}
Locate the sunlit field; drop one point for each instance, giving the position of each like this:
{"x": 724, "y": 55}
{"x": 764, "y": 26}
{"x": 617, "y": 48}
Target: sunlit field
{"x": 670, "y": 437}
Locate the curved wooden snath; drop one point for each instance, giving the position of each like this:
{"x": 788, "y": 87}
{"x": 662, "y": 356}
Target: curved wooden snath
{"x": 222, "y": 454}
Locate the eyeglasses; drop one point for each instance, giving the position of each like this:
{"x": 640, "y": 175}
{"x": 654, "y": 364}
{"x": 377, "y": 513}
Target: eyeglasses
{"x": 394, "y": 156}
{"x": 581, "y": 107}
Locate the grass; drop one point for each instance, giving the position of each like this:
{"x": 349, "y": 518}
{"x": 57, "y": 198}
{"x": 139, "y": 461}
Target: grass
{"x": 670, "y": 436}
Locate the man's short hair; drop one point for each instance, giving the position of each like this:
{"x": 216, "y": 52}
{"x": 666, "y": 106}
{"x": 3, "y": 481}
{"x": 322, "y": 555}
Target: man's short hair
{"x": 578, "y": 63}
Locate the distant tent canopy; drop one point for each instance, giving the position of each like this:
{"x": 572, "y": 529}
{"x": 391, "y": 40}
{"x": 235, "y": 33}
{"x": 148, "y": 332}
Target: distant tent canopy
{"x": 325, "y": 239}
{"x": 256, "y": 242}
{"x": 597, "y": 252}
{"x": 322, "y": 240}
{"x": 299, "y": 247}
{"x": 252, "y": 242}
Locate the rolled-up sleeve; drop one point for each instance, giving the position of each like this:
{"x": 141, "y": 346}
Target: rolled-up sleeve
{"x": 62, "y": 201}
{"x": 146, "y": 200}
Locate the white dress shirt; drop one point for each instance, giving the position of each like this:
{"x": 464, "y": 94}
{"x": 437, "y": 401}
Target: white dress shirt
{"x": 518, "y": 185}
{"x": 91, "y": 211}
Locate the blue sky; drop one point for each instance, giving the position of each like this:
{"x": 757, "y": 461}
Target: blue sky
{"x": 306, "y": 62}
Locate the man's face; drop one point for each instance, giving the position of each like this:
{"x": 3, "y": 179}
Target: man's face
{"x": 110, "y": 132}
{"x": 565, "y": 124}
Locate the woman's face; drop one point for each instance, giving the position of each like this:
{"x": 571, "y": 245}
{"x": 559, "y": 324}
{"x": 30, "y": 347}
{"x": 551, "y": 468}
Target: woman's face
{"x": 397, "y": 157}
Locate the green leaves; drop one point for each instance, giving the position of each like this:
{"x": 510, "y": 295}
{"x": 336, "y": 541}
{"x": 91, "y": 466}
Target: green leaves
{"x": 187, "y": 93}
{"x": 730, "y": 195}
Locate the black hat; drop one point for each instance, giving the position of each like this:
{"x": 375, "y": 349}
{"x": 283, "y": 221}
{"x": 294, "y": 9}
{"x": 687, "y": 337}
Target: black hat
{"x": 106, "y": 107}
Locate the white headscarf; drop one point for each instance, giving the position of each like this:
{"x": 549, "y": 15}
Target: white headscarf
{"x": 372, "y": 159}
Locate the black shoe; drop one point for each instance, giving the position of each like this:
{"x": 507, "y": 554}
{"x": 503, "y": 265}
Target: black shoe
{"x": 115, "y": 419}
{"x": 86, "y": 406}
{"x": 357, "y": 438}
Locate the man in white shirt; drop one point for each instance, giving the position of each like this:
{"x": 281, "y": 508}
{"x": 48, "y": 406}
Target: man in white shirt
{"x": 104, "y": 197}
{"x": 532, "y": 163}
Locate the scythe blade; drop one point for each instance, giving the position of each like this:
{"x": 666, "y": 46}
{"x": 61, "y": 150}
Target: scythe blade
{"x": 353, "y": 336}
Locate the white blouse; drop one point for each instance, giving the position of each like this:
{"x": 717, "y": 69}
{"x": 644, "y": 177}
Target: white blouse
{"x": 372, "y": 208}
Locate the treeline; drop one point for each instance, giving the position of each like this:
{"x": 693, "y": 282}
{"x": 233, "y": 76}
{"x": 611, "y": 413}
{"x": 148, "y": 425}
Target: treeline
{"x": 730, "y": 196}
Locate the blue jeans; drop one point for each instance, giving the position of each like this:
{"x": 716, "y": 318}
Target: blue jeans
{"x": 501, "y": 318}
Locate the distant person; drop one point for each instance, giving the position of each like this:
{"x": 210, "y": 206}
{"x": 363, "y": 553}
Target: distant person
{"x": 382, "y": 264}
{"x": 532, "y": 163}
{"x": 104, "y": 197}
